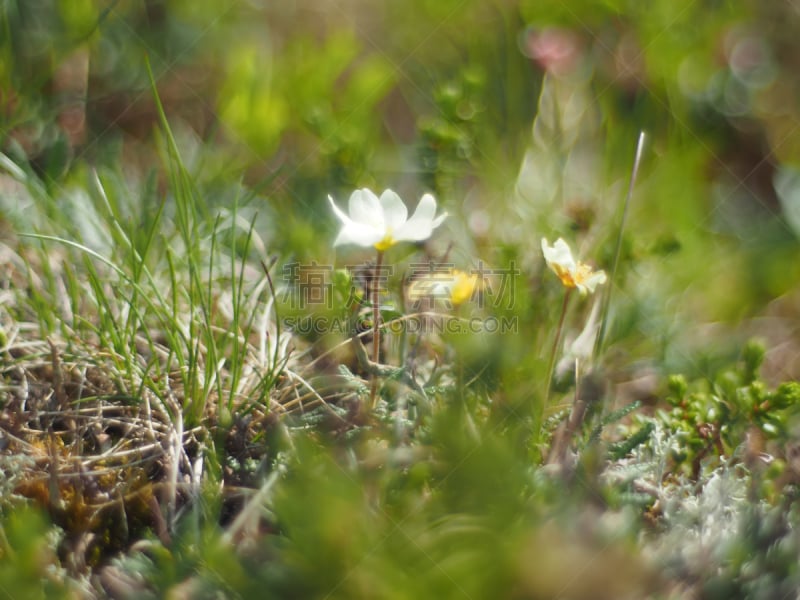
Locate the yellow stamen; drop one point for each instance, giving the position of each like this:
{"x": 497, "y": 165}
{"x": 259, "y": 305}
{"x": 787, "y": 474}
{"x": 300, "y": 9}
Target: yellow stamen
{"x": 573, "y": 279}
{"x": 386, "y": 243}
{"x": 564, "y": 275}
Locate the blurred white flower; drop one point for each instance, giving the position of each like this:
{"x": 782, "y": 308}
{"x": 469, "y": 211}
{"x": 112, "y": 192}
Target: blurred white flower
{"x": 383, "y": 222}
{"x": 453, "y": 286}
{"x": 573, "y": 274}
{"x": 582, "y": 346}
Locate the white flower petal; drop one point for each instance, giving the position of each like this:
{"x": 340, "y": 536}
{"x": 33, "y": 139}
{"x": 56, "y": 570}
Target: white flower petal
{"x": 558, "y": 254}
{"x": 591, "y": 282}
{"x": 365, "y": 208}
{"x": 583, "y": 346}
{"x": 339, "y": 214}
{"x": 358, "y": 234}
{"x": 352, "y": 232}
{"x": 439, "y": 220}
{"x": 395, "y": 212}
{"x": 422, "y": 223}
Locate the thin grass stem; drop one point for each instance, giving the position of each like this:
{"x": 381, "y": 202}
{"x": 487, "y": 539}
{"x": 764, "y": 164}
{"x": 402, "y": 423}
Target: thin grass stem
{"x": 554, "y": 352}
{"x": 598, "y": 345}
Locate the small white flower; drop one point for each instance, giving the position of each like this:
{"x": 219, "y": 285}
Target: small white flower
{"x": 453, "y": 286}
{"x": 573, "y": 274}
{"x": 382, "y": 222}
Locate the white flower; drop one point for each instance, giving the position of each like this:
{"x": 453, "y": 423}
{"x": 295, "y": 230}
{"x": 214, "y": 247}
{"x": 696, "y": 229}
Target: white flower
{"x": 573, "y": 274}
{"x": 384, "y": 222}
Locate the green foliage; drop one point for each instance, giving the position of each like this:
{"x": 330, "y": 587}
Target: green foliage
{"x": 715, "y": 418}
{"x": 449, "y": 140}
{"x": 27, "y": 556}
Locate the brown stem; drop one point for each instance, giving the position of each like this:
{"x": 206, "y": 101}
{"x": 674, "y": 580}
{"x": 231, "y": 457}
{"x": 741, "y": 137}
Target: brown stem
{"x": 376, "y": 325}
{"x": 578, "y": 413}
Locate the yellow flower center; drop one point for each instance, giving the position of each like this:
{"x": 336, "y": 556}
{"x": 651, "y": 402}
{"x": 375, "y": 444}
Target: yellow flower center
{"x": 386, "y": 243}
{"x": 571, "y": 279}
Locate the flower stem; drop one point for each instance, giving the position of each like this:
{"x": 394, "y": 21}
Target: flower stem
{"x": 376, "y": 325}
{"x": 575, "y": 420}
{"x": 554, "y": 352}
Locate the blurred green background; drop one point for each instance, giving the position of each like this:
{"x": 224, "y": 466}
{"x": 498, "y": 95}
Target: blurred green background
{"x": 521, "y": 116}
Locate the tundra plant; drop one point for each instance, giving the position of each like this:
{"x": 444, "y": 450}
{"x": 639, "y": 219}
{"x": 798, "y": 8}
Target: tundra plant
{"x": 382, "y": 223}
